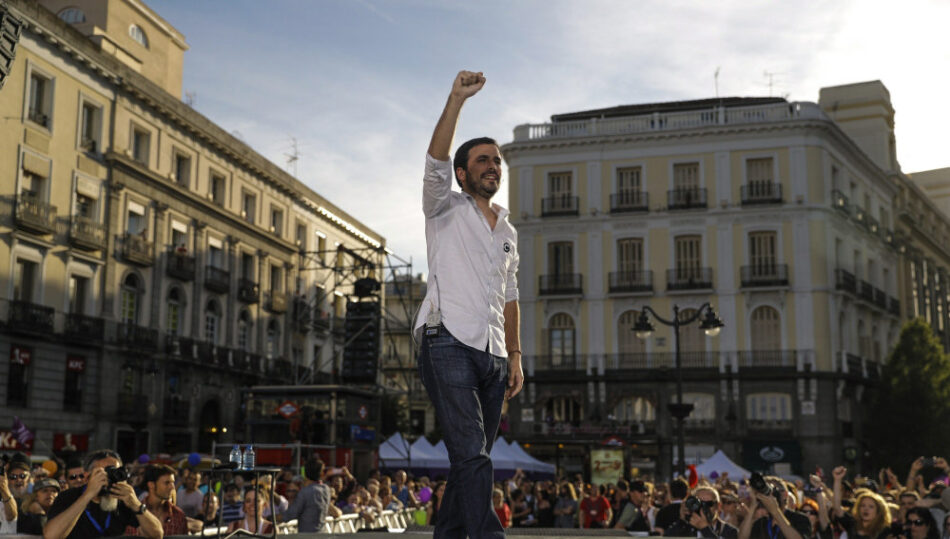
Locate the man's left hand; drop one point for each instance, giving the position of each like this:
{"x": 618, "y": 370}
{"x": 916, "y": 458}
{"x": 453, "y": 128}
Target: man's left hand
{"x": 126, "y": 493}
{"x": 770, "y": 503}
{"x": 515, "y": 375}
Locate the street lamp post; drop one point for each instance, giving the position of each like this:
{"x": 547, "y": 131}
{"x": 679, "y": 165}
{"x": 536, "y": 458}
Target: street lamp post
{"x": 711, "y": 324}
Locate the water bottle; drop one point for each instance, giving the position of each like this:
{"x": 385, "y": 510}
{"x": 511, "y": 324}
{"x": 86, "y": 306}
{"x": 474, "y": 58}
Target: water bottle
{"x": 248, "y": 463}
{"x": 236, "y": 456}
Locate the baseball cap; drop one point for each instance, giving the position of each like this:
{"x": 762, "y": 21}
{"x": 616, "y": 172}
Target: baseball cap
{"x": 46, "y": 483}
{"x": 19, "y": 461}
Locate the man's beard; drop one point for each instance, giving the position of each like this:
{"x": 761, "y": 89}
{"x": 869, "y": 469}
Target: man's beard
{"x": 19, "y": 492}
{"x": 108, "y": 503}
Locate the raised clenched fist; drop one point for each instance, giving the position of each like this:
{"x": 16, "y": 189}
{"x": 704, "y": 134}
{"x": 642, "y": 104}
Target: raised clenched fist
{"x": 838, "y": 473}
{"x": 467, "y": 84}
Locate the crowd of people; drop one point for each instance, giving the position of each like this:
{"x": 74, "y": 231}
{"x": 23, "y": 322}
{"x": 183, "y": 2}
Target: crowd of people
{"x": 97, "y": 495}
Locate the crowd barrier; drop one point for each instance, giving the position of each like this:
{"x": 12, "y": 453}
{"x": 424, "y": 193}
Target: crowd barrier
{"x": 344, "y": 524}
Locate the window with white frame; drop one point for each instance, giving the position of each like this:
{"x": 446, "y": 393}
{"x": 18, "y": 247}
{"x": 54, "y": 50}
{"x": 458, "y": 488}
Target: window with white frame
{"x": 244, "y": 331}
{"x": 141, "y": 141}
{"x": 248, "y": 206}
{"x": 218, "y": 184}
{"x": 138, "y": 35}
{"x": 247, "y": 266}
{"x": 212, "y": 321}
{"x": 561, "y": 343}
{"x": 173, "y": 311}
{"x": 277, "y": 221}
{"x": 72, "y": 15}
{"x": 33, "y": 187}
{"x": 181, "y": 168}
{"x": 215, "y": 255}
{"x": 769, "y": 407}
{"x": 762, "y": 254}
{"x": 273, "y": 340}
{"x": 90, "y": 126}
{"x": 135, "y": 219}
{"x": 629, "y": 188}
{"x": 25, "y": 280}
{"x": 40, "y": 105}
{"x": 129, "y": 299}
{"x": 627, "y": 340}
{"x": 766, "y": 329}
{"x": 692, "y": 338}
{"x": 630, "y": 257}
{"x": 688, "y": 257}
{"x": 561, "y": 258}
{"x": 634, "y": 409}
{"x": 560, "y": 191}
{"x": 563, "y": 410}
{"x": 686, "y": 176}
{"x": 86, "y": 207}
{"x": 276, "y": 278}
{"x": 78, "y": 293}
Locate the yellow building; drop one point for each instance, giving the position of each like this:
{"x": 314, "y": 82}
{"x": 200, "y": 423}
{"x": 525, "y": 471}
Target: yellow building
{"x": 785, "y": 216}
{"x": 151, "y": 264}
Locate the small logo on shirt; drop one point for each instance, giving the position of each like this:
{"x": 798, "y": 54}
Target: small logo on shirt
{"x": 507, "y": 247}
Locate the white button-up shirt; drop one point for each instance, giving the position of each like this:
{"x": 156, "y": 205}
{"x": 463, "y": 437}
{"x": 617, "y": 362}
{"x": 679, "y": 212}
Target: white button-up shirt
{"x": 471, "y": 267}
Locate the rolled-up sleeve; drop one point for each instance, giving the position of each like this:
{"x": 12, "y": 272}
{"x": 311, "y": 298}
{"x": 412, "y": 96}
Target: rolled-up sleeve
{"x": 436, "y": 186}
{"x": 511, "y": 282}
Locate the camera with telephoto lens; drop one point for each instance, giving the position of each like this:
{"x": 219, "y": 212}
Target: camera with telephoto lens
{"x": 693, "y": 504}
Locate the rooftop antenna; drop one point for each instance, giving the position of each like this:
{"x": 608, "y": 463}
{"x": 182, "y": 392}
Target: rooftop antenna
{"x": 293, "y": 156}
{"x": 190, "y": 98}
{"x": 771, "y": 76}
{"x": 716, "y": 78}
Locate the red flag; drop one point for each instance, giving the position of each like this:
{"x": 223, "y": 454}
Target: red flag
{"x": 693, "y": 476}
{"x": 23, "y": 434}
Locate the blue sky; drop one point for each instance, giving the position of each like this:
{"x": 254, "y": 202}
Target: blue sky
{"x": 360, "y": 83}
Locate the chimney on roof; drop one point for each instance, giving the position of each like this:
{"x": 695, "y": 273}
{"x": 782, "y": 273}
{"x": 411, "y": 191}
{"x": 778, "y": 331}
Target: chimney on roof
{"x": 864, "y": 111}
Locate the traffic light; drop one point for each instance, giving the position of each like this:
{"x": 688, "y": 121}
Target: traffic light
{"x": 361, "y": 342}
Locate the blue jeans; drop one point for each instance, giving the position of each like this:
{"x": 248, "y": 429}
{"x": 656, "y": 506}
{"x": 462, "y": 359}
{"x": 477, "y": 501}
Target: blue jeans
{"x": 467, "y": 389}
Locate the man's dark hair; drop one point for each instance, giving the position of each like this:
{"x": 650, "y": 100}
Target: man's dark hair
{"x": 623, "y": 485}
{"x": 679, "y": 488}
{"x": 314, "y": 469}
{"x": 154, "y": 471}
{"x": 99, "y": 455}
{"x": 461, "y": 155}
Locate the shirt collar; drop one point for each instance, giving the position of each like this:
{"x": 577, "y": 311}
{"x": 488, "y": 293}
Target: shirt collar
{"x": 500, "y": 210}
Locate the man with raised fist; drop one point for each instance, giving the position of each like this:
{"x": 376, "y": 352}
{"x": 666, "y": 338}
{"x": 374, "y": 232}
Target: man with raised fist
{"x": 470, "y": 358}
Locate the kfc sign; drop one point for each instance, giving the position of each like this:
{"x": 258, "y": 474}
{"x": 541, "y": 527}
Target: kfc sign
{"x": 20, "y": 355}
{"x": 9, "y": 441}
{"x": 75, "y": 363}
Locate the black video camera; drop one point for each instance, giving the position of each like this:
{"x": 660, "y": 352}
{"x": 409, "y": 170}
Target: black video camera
{"x": 695, "y": 505}
{"x": 759, "y": 484}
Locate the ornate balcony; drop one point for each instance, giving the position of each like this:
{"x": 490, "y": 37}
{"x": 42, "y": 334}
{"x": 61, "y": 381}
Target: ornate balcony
{"x": 248, "y": 291}
{"x": 686, "y": 198}
{"x": 630, "y": 281}
{"x": 180, "y": 347}
{"x": 217, "y": 280}
{"x": 894, "y": 306}
{"x": 761, "y": 192}
{"x": 82, "y": 328}
{"x": 766, "y": 358}
{"x": 761, "y": 275}
{"x": 178, "y": 265}
{"x": 28, "y": 317}
{"x": 560, "y": 284}
{"x": 135, "y": 336}
{"x": 844, "y": 280}
{"x": 840, "y": 202}
{"x": 689, "y": 278}
{"x": 34, "y": 215}
{"x": 211, "y": 355}
{"x": 560, "y": 205}
{"x": 629, "y": 201}
{"x": 86, "y": 234}
{"x": 880, "y": 299}
{"x": 137, "y": 250}
{"x": 276, "y": 302}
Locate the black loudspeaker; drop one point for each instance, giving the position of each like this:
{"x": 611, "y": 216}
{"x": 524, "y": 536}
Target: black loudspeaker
{"x": 10, "y": 28}
{"x": 362, "y": 342}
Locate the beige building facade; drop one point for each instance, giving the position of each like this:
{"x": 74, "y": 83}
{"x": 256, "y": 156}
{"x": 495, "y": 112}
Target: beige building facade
{"x": 151, "y": 264}
{"x": 787, "y": 217}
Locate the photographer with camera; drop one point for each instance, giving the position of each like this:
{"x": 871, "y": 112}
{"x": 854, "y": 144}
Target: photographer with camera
{"x": 94, "y": 510}
{"x": 768, "y": 517}
{"x": 699, "y": 517}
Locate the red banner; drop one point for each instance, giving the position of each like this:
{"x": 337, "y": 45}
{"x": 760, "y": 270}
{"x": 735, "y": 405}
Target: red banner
{"x": 64, "y": 441}
{"x": 8, "y": 441}
{"x": 20, "y": 355}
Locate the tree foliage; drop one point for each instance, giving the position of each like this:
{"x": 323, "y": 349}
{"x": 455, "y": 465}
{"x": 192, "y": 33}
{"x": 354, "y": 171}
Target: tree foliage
{"x": 910, "y": 410}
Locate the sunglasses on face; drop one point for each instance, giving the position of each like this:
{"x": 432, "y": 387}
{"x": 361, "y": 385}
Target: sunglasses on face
{"x": 916, "y": 522}
{"x": 17, "y": 477}
{"x": 810, "y": 513}
{"x": 74, "y": 476}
